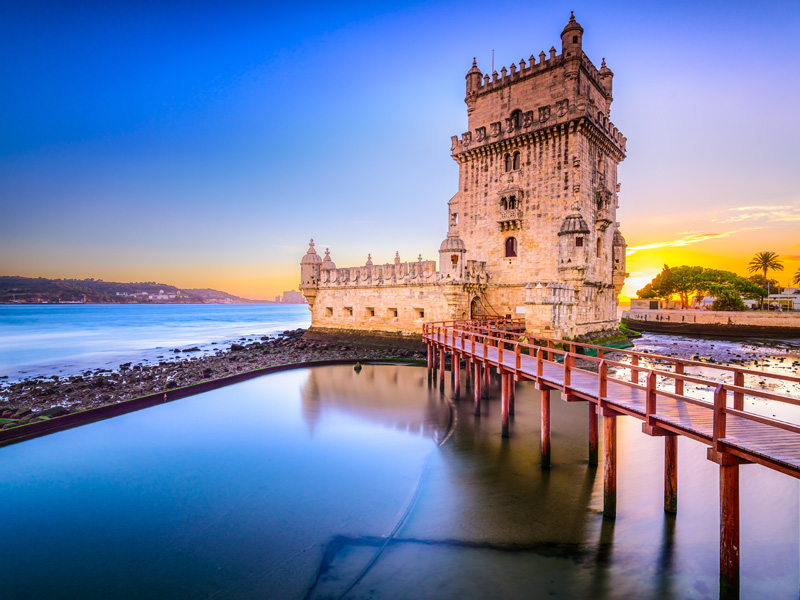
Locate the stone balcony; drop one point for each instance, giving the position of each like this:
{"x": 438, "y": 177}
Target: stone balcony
{"x": 510, "y": 219}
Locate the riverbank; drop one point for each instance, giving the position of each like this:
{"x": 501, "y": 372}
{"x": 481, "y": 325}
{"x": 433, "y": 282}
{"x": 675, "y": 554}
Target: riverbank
{"x": 775, "y": 325}
{"x": 40, "y": 398}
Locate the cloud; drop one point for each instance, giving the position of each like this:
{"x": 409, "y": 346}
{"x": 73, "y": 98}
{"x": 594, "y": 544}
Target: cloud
{"x": 791, "y": 256}
{"x": 693, "y": 238}
{"x": 771, "y": 213}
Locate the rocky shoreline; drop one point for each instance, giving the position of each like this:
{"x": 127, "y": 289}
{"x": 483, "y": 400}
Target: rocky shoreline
{"x": 41, "y": 398}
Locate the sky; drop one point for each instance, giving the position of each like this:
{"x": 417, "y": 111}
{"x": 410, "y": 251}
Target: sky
{"x": 201, "y": 144}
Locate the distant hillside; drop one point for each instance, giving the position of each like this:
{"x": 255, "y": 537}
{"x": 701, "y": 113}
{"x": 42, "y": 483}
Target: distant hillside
{"x": 34, "y": 290}
{"x": 215, "y": 296}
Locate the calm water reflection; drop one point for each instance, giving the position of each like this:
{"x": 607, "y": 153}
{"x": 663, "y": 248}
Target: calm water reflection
{"x": 317, "y": 481}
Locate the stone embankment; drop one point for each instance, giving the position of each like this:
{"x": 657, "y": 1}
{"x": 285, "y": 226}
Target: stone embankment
{"x": 39, "y": 398}
{"x": 778, "y": 325}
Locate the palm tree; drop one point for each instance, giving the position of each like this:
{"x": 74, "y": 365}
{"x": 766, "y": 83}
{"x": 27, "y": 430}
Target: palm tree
{"x": 796, "y": 278}
{"x": 765, "y": 261}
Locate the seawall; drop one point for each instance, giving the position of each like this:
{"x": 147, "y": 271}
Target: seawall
{"x": 709, "y": 322}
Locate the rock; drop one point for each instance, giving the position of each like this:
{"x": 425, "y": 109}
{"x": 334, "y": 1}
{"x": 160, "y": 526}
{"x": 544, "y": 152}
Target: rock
{"x": 236, "y": 347}
{"x": 357, "y": 368}
{"x": 23, "y": 412}
{"x": 55, "y": 411}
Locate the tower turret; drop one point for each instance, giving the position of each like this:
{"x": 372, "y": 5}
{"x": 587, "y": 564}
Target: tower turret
{"x": 310, "y": 266}
{"x": 451, "y": 254}
{"x": 474, "y": 77}
{"x": 607, "y": 79}
{"x": 572, "y": 39}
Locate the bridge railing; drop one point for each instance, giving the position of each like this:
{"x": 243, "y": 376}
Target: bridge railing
{"x": 477, "y": 337}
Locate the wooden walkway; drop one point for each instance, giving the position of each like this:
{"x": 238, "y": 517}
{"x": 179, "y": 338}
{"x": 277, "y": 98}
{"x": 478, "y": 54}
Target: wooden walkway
{"x": 655, "y": 393}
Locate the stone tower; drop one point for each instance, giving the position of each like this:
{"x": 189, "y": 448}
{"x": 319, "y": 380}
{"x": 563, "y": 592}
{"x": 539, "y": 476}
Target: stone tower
{"x": 532, "y": 229}
{"x": 538, "y": 188}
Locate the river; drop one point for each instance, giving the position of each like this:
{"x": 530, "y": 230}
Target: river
{"x": 325, "y": 481}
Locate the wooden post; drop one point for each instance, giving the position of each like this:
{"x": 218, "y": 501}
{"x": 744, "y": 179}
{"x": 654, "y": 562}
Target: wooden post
{"x": 545, "y": 428}
{"x": 430, "y": 361}
{"x": 634, "y": 372}
{"x": 671, "y": 473}
{"x": 650, "y": 401}
{"x": 539, "y": 363}
{"x": 456, "y": 367}
{"x": 467, "y": 373}
{"x": 729, "y": 530}
{"x": 592, "y": 434}
{"x": 505, "y": 396}
{"x": 738, "y": 397}
{"x": 441, "y": 366}
{"x": 610, "y": 475}
{"x": 487, "y": 373}
{"x": 720, "y": 404}
{"x": 567, "y": 373}
{"x": 477, "y": 387}
{"x": 679, "y": 382}
{"x": 512, "y": 392}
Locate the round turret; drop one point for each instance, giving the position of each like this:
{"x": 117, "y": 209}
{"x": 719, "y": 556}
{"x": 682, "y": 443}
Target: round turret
{"x": 452, "y": 243}
{"x": 574, "y": 223}
{"x": 328, "y": 263}
{"x": 474, "y": 77}
{"x": 311, "y": 257}
{"x": 606, "y": 78}
{"x": 572, "y": 38}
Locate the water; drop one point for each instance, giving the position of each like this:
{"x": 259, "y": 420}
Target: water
{"x": 46, "y": 339}
{"x": 319, "y": 480}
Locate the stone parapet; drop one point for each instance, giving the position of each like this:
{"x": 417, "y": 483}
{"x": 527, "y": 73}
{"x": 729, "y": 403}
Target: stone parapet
{"x": 722, "y": 323}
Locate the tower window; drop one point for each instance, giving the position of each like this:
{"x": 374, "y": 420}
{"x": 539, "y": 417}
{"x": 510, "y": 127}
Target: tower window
{"x": 574, "y": 39}
{"x": 512, "y": 203}
{"x": 599, "y": 246}
{"x": 511, "y": 247}
{"x": 454, "y": 259}
{"x": 516, "y": 162}
{"x": 578, "y": 242}
{"x": 508, "y": 162}
{"x": 516, "y": 119}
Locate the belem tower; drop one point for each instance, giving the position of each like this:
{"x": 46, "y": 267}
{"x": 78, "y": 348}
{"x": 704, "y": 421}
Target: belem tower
{"x": 532, "y": 230}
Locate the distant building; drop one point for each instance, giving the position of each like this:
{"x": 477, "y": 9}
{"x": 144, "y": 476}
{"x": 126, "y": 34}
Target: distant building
{"x": 292, "y": 297}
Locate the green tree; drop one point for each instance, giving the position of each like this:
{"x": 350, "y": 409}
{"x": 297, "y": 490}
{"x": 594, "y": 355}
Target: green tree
{"x": 796, "y": 277}
{"x": 686, "y": 281}
{"x": 774, "y": 284}
{"x": 764, "y": 262}
{"x": 728, "y": 299}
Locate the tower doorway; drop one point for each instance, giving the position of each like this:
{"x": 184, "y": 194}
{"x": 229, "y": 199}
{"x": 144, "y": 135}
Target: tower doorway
{"x": 476, "y": 310}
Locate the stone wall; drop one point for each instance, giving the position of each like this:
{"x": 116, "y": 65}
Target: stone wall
{"x": 724, "y": 323}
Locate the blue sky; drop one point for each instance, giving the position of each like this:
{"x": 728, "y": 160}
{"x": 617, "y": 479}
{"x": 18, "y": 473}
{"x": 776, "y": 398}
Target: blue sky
{"x": 202, "y": 144}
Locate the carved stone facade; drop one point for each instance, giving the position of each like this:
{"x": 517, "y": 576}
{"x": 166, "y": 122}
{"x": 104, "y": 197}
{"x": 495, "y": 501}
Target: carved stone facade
{"x": 532, "y": 229}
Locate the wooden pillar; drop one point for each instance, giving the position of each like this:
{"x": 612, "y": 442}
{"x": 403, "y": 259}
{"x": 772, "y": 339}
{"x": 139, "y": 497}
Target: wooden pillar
{"x": 441, "y": 367}
{"x": 545, "y": 428}
{"x": 430, "y": 361}
{"x": 505, "y": 396}
{"x": 513, "y": 391}
{"x": 477, "y": 388}
{"x": 671, "y": 473}
{"x": 467, "y": 374}
{"x": 487, "y": 373}
{"x": 592, "y": 434}
{"x": 729, "y": 531}
{"x": 610, "y": 475}
{"x": 456, "y": 367}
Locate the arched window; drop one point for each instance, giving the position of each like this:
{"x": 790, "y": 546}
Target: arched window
{"x": 516, "y": 119}
{"x": 517, "y": 161}
{"x": 599, "y": 246}
{"x": 512, "y": 202}
{"x": 503, "y": 203}
{"x": 508, "y": 162}
{"x": 511, "y": 247}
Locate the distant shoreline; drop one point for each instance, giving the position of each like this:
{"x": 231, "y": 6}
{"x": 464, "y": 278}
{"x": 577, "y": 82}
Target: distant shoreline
{"x": 731, "y": 324}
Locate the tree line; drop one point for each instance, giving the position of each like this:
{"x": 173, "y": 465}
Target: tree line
{"x": 728, "y": 288}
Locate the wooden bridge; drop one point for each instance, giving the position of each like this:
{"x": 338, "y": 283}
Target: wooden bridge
{"x": 656, "y": 393}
